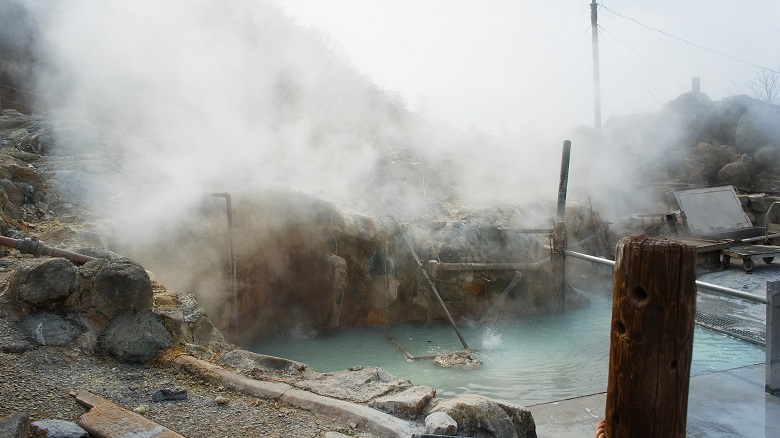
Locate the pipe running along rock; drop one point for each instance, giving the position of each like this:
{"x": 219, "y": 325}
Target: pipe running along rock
{"x": 36, "y": 247}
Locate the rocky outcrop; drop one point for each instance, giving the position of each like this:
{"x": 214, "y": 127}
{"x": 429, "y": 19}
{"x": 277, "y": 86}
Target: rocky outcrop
{"x": 480, "y": 416}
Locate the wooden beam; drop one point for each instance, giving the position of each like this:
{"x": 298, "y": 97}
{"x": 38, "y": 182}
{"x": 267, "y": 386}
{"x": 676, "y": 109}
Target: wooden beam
{"x": 651, "y": 340}
{"x": 106, "y": 419}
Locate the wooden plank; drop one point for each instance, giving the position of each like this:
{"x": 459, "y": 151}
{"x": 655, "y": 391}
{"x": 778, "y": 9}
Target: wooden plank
{"x": 106, "y": 419}
{"x": 651, "y": 340}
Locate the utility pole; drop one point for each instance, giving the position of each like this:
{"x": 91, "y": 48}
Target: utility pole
{"x": 594, "y": 27}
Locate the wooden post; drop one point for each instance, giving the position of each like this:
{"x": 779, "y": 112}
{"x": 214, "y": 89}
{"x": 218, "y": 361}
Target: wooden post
{"x": 773, "y": 337}
{"x": 651, "y": 340}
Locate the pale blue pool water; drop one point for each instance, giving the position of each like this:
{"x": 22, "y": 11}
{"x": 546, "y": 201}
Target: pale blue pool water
{"x": 533, "y": 360}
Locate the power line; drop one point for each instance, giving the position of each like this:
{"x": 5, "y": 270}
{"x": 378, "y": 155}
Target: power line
{"x": 688, "y": 42}
{"x": 632, "y": 72}
{"x": 645, "y": 59}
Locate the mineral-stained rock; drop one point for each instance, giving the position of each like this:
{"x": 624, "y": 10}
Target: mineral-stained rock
{"x": 44, "y": 283}
{"x": 136, "y": 336}
{"x": 482, "y": 417}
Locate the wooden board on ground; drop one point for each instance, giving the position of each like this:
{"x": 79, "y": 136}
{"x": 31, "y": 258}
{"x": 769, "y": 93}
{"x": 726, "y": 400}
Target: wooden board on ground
{"x": 106, "y": 419}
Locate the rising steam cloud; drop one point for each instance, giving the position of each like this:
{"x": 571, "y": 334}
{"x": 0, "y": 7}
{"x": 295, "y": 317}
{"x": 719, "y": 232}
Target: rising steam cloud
{"x": 202, "y": 95}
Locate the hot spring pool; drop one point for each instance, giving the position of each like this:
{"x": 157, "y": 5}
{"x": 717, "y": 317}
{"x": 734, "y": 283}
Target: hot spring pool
{"x": 529, "y": 361}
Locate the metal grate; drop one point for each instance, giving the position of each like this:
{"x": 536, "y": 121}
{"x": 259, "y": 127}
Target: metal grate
{"x": 741, "y": 328}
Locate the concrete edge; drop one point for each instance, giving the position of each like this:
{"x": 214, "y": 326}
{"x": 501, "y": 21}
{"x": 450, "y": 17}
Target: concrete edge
{"x": 368, "y": 419}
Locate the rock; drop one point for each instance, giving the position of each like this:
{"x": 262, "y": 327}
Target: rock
{"x": 767, "y": 159}
{"x": 524, "y": 423}
{"x": 58, "y": 429}
{"x": 51, "y": 329}
{"x": 221, "y": 400}
{"x": 480, "y": 416}
{"x": 163, "y": 394}
{"x": 405, "y": 404}
{"x": 136, "y": 336}
{"x": 141, "y": 409}
{"x": 358, "y": 384}
{"x": 111, "y": 287}
{"x": 44, "y": 283}
{"x": 439, "y": 423}
{"x": 460, "y": 360}
{"x": 188, "y": 321}
{"x": 758, "y": 128}
{"x": 736, "y": 174}
{"x": 16, "y": 425}
{"x": 257, "y": 365}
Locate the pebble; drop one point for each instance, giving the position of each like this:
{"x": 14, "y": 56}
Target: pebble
{"x": 221, "y": 400}
{"x": 141, "y": 409}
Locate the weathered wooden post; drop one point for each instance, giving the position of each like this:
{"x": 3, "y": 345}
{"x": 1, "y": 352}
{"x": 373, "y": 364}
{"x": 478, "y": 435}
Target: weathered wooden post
{"x": 651, "y": 341}
{"x": 773, "y": 337}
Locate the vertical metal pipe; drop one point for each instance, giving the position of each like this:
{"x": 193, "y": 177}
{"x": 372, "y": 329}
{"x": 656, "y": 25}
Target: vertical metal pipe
{"x": 564, "y": 180}
{"x": 232, "y": 254}
{"x": 773, "y": 337}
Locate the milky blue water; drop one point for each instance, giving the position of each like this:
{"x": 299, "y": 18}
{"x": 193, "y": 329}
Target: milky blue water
{"x": 532, "y": 360}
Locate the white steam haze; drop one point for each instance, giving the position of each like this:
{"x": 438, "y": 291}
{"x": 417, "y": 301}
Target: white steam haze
{"x": 507, "y": 66}
{"x": 210, "y": 95}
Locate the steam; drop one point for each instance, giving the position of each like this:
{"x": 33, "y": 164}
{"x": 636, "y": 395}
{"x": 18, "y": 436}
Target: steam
{"x": 198, "y": 96}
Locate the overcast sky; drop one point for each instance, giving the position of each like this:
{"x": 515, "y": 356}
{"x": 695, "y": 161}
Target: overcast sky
{"x": 506, "y": 65}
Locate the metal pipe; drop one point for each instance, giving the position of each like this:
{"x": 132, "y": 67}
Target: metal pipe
{"x": 430, "y": 283}
{"x": 712, "y": 287}
{"x": 37, "y": 248}
{"x": 435, "y": 266}
{"x": 231, "y": 252}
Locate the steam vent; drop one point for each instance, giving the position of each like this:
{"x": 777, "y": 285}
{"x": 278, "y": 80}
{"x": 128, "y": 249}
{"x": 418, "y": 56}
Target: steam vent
{"x": 212, "y": 224}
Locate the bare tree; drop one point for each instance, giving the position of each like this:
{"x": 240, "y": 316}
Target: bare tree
{"x": 764, "y": 86}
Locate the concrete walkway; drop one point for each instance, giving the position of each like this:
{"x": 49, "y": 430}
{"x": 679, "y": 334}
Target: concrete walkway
{"x": 723, "y": 404}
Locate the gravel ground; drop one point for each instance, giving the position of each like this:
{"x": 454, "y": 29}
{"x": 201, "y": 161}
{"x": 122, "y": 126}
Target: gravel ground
{"x": 39, "y": 382}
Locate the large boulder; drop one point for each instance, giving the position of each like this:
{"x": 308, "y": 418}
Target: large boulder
{"x": 136, "y": 336}
{"x": 737, "y": 174}
{"x": 44, "y": 283}
{"x": 481, "y": 417}
{"x": 111, "y": 287}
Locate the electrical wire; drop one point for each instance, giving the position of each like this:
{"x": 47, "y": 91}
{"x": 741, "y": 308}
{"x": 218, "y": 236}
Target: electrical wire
{"x": 632, "y": 71}
{"x": 685, "y": 87}
{"x": 688, "y": 42}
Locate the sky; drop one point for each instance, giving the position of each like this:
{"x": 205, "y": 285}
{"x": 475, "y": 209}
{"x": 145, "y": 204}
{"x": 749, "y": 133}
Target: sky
{"x": 504, "y": 65}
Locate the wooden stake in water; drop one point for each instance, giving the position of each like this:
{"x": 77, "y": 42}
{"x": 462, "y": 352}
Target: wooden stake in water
{"x": 651, "y": 341}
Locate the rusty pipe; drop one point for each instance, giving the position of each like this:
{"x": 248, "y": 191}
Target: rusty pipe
{"x": 37, "y": 248}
